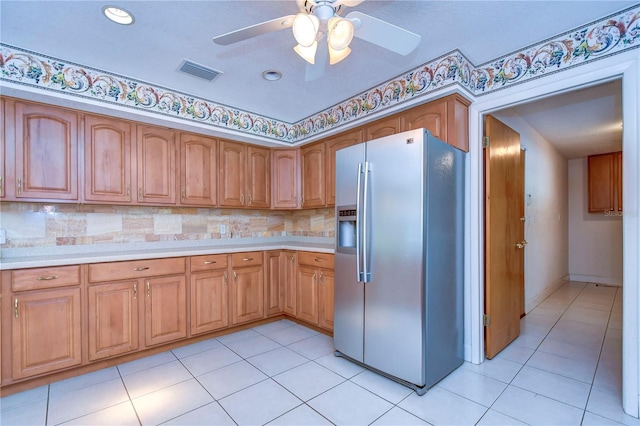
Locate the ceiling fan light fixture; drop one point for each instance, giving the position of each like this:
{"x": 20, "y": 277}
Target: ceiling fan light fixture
{"x": 336, "y": 56}
{"x": 340, "y": 33}
{"x": 308, "y": 53}
{"x": 305, "y": 29}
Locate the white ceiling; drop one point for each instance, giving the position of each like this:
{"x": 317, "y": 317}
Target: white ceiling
{"x": 167, "y": 32}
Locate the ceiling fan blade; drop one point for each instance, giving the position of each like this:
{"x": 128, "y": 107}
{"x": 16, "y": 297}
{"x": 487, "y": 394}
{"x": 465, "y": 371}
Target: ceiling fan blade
{"x": 316, "y": 70}
{"x": 383, "y": 33}
{"x": 348, "y": 3}
{"x": 254, "y": 30}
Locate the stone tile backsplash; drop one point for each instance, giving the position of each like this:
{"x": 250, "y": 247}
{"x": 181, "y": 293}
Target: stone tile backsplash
{"x": 37, "y": 225}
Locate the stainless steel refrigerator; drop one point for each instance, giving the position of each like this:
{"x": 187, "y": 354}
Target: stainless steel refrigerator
{"x": 399, "y": 257}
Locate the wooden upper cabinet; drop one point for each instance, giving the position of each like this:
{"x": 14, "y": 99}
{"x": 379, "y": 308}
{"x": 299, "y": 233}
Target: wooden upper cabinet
{"x": 46, "y": 153}
{"x": 285, "y": 181}
{"x": 156, "y": 165}
{"x": 605, "y": 182}
{"x": 107, "y": 163}
{"x": 431, "y": 116}
{"x": 258, "y": 177}
{"x": 313, "y": 180}
{"x": 198, "y": 170}
{"x": 383, "y": 127}
{"x": 331, "y": 146}
{"x": 232, "y": 163}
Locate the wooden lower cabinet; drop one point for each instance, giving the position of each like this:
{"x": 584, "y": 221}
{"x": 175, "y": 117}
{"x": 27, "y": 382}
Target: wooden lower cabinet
{"x": 307, "y": 294}
{"x": 315, "y": 289}
{"x": 325, "y": 299}
{"x": 209, "y": 296}
{"x": 288, "y": 281}
{"x": 273, "y": 290}
{"x": 46, "y": 332}
{"x": 165, "y": 309}
{"x": 113, "y": 319}
{"x": 247, "y": 289}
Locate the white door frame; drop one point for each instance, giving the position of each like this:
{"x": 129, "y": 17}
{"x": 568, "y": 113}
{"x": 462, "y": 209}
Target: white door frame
{"x": 626, "y": 66}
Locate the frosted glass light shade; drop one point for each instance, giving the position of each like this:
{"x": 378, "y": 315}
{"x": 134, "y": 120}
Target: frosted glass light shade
{"x": 305, "y": 28}
{"x": 308, "y": 53}
{"x": 340, "y": 33}
{"x": 336, "y": 56}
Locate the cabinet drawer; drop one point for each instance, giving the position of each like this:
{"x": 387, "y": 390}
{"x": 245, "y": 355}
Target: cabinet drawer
{"x": 251, "y": 258}
{"x": 320, "y": 260}
{"x": 114, "y": 271}
{"x": 40, "y": 278}
{"x": 208, "y": 262}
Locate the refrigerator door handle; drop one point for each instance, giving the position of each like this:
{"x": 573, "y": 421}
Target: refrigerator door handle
{"x": 360, "y": 277}
{"x": 365, "y": 228}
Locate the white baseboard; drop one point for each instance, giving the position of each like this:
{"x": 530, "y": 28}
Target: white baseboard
{"x": 535, "y": 300}
{"x": 596, "y": 280}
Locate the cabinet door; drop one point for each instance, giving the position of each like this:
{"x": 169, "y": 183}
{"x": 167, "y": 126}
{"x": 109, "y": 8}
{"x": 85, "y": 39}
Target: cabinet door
{"x": 601, "y": 183}
{"x": 274, "y": 290}
{"x": 165, "y": 309}
{"x": 46, "y": 149}
{"x": 385, "y": 127}
{"x": 307, "y": 294}
{"x": 285, "y": 183}
{"x": 209, "y": 301}
{"x": 198, "y": 170}
{"x": 325, "y": 299}
{"x": 313, "y": 181}
{"x": 156, "y": 165}
{"x": 107, "y": 164}
{"x": 331, "y": 146}
{"x": 289, "y": 277}
{"x": 232, "y": 174}
{"x": 247, "y": 302}
{"x": 258, "y": 177}
{"x": 113, "y": 319}
{"x": 431, "y": 116}
{"x": 46, "y": 332}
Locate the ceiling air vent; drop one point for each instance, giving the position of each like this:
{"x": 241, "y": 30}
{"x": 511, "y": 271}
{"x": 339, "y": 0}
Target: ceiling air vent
{"x": 198, "y": 70}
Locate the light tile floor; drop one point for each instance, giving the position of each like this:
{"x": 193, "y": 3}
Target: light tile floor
{"x": 565, "y": 368}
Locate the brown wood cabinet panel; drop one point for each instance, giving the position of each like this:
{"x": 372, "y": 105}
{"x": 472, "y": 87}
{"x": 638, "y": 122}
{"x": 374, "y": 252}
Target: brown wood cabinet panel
{"x": 312, "y": 172}
{"x": 285, "y": 183}
{"x": 43, "y": 278}
{"x": 209, "y": 301}
{"x": 431, "y": 116}
{"x": 107, "y": 160}
{"x": 274, "y": 290}
{"x": 601, "y": 185}
{"x": 247, "y": 303}
{"x": 232, "y": 174}
{"x": 46, "y": 153}
{"x": 307, "y": 294}
{"x": 250, "y": 258}
{"x": 198, "y": 170}
{"x": 259, "y": 177}
{"x": 134, "y": 269}
{"x": 209, "y": 262}
{"x": 165, "y": 309}
{"x": 458, "y": 122}
{"x": 113, "y": 319}
{"x": 331, "y": 146}
{"x": 317, "y": 260}
{"x": 325, "y": 299}
{"x": 383, "y": 127}
{"x": 46, "y": 332}
{"x": 156, "y": 163}
{"x": 288, "y": 279}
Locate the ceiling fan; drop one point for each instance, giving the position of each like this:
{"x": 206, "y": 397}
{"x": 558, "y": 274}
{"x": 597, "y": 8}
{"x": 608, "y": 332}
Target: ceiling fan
{"x": 324, "y": 36}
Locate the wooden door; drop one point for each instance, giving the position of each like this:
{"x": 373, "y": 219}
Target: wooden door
{"x": 385, "y": 127}
{"x": 431, "y": 116}
{"x": 113, "y": 319}
{"x": 259, "y": 177}
{"x": 289, "y": 277}
{"x": 107, "y": 160}
{"x": 503, "y": 236}
{"x": 313, "y": 182}
{"x": 331, "y": 146}
{"x": 618, "y": 167}
{"x": 165, "y": 309}
{"x": 156, "y": 165}
{"x": 232, "y": 174}
{"x": 46, "y": 332}
{"x": 521, "y": 213}
{"x": 247, "y": 302}
{"x": 198, "y": 170}
{"x": 601, "y": 183}
{"x": 285, "y": 182}
{"x": 209, "y": 296}
{"x": 325, "y": 299}
{"x": 46, "y": 150}
{"x": 274, "y": 286}
{"x": 307, "y": 294}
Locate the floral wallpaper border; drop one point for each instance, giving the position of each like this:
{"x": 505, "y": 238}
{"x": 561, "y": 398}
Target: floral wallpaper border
{"x": 609, "y": 36}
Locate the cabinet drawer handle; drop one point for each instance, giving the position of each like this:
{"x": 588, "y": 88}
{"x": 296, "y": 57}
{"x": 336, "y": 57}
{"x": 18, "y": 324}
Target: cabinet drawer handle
{"x": 209, "y": 262}
{"x": 141, "y": 268}
{"x": 135, "y": 291}
{"x": 148, "y": 289}
{"x": 15, "y": 308}
{"x": 47, "y": 278}
{"x": 247, "y": 259}
{"x": 317, "y": 259}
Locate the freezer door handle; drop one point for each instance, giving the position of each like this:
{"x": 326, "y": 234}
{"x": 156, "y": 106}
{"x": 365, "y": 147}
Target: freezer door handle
{"x": 365, "y": 228}
{"x": 360, "y": 277}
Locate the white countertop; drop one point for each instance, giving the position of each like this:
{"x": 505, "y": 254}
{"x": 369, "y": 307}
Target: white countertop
{"x": 36, "y": 257}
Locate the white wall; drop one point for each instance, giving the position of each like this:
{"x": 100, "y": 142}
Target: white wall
{"x": 595, "y": 240}
{"x": 546, "y": 210}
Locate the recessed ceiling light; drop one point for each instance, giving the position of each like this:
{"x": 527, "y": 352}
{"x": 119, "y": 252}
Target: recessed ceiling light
{"x": 118, "y": 15}
{"x": 272, "y": 75}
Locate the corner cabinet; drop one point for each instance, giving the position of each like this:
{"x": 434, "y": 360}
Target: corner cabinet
{"x": 605, "y": 182}
{"x": 245, "y": 175}
{"x": 209, "y": 293}
{"x": 246, "y": 299}
{"x": 156, "y": 165}
{"x": 314, "y": 302}
{"x": 312, "y": 173}
{"x": 285, "y": 183}
{"x": 198, "y": 170}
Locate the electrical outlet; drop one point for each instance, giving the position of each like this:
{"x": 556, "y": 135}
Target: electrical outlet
{"x": 3, "y": 236}
{"x": 223, "y": 229}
